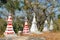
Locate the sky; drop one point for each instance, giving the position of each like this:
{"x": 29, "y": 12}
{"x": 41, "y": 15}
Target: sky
{"x": 21, "y": 13}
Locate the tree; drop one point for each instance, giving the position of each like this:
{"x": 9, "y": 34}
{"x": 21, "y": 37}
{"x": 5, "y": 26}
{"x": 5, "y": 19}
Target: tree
{"x": 59, "y": 16}
{"x": 4, "y": 1}
{"x": 12, "y": 6}
{"x": 42, "y": 11}
{"x": 17, "y": 26}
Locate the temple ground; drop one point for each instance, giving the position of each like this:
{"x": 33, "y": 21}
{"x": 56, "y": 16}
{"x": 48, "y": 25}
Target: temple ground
{"x": 50, "y": 35}
{"x": 47, "y": 35}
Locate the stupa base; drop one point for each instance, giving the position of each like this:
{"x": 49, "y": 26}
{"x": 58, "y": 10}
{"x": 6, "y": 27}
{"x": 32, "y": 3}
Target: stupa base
{"x": 45, "y": 30}
{"x": 11, "y": 35}
{"x": 37, "y": 32}
{"x": 26, "y": 33}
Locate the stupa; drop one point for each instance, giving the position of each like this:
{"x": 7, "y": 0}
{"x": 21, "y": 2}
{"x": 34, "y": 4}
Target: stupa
{"x": 9, "y": 30}
{"x": 45, "y": 29}
{"x": 34, "y": 28}
{"x": 51, "y": 25}
{"x": 26, "y": 27}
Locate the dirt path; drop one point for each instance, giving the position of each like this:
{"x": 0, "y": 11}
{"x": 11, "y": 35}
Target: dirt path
{"x": 49, "y": 35}
{"x": 44, "y": 36}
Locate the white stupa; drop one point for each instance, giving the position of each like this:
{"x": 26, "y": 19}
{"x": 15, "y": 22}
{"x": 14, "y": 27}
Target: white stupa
{"x": 45, "y": 29}
{"x": 51, "y": 25}
{"x": 34, "y": 28}
{"x": 9, "y": 32}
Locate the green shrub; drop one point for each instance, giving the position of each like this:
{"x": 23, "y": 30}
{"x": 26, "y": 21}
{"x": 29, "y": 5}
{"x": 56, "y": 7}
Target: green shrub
{"x": 17, "y": 27}
{"x": 59, "y": 16}
{"x": 3, "y": 25}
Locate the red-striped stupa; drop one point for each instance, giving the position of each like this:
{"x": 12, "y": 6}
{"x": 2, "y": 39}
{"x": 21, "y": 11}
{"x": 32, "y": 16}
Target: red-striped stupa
{"x": 26, "y": 27}
{"x": 9, "y": 30}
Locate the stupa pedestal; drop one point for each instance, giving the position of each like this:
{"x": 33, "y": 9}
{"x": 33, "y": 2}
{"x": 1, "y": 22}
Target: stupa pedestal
{"x": 9, "y": 30}
{"x": 34, "y": 28}
{"x": 26, "y": 27}
{"x": 51, "y": 25}
{"x": 45, "y": 29}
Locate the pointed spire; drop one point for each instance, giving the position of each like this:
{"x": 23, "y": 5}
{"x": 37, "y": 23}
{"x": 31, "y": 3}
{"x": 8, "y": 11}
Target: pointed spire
{"x": 45, "y": 29}
{"x": 34, "y": 28}
{"x": 10, "y": 17}
{"x": 34, "y": 19}
{"x": 26, "y": 27}
{"x": 51, "y": 25}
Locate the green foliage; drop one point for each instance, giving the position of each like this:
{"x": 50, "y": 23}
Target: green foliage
{"x": 12, "y": 5}
{"x": 3, "y": 25}
{"x": 20, "y": 28}
{"x": 17, "y": 26}
{"x": 57, "y": 25}
{"x": 52, "y": 15}
{"x": 59, "y": 16}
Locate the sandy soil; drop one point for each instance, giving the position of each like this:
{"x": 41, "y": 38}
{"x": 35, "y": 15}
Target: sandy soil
{"x": 51, "y": 36}
{"x": 47, "y": 35}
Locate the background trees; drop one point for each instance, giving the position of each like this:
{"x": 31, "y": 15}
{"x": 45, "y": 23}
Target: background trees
{"x": 43, "y": 10}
